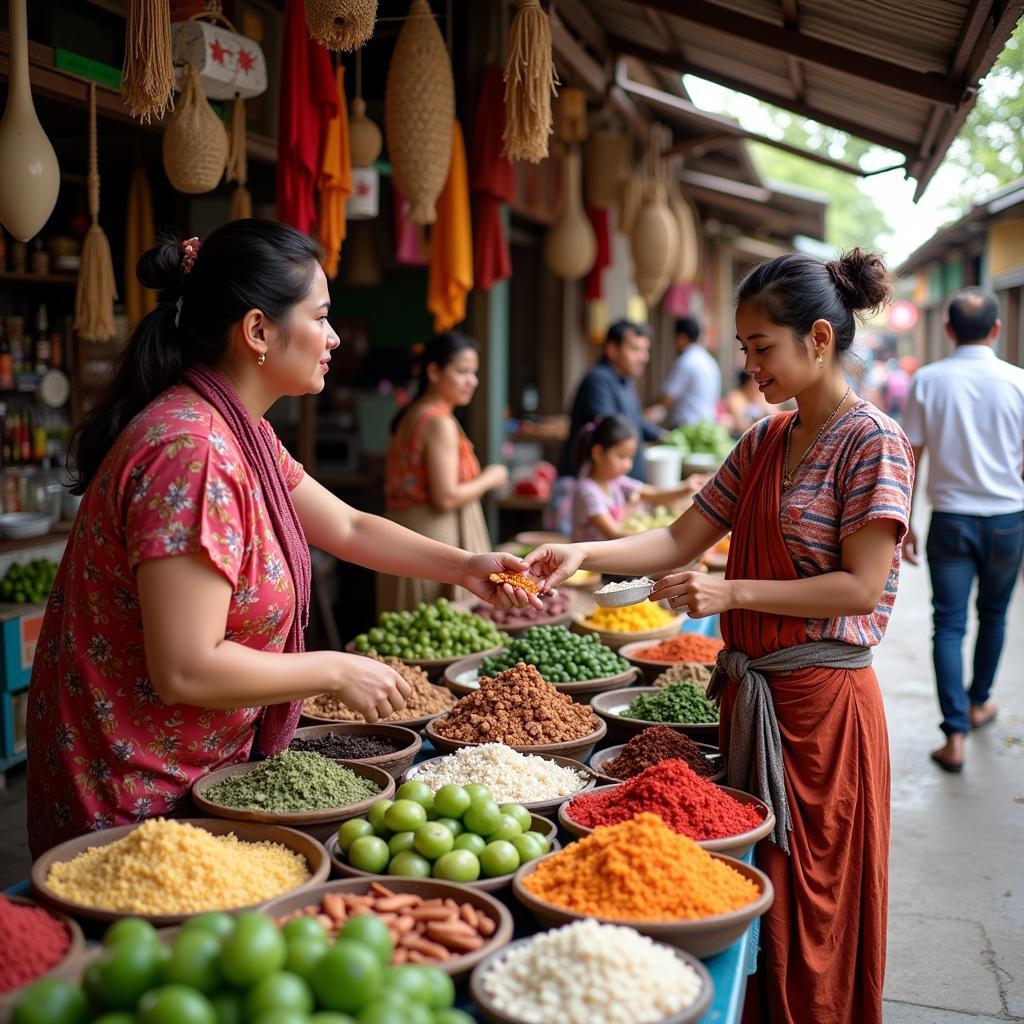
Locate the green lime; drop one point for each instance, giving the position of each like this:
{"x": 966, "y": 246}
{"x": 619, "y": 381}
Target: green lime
{"x": 400, "y": 842}
{"x": 280, "y": 990}
{"x": 375, "y": 816}
{"x": 349, "y": 831}
{"x": 452, "y": 801}
{"x": 457, "y": 866}
{"x": 195, "y": 961}
{"x": 410, "y": 980}
{"x": 545, "y": 843}
{"x": 253, "y": 949}
{"x": 369, "y": 853}
{"x": 405, "y": 816}
{"x": 520, "y": 813}
{"x": 508, "y": 829}
{"x": 305, "y": 927}
{"x": 477, "y": 792}
{"x": 304, "y": 954}
{"x": 442, "y": 988}
{"x": 175, "y": 1004}
{"x": 51, "y": 1002}
{"x": 433, "y": 840}
{"x": 279, "y": 1017}
{"x": 453, "y": 825}
{"x": 452, "y": 1016}
{"x": 470, "y": 841}
{"x": 117, "y": 1017}
{"x": 347, "y": 977}
{"x": 528, "y": 847}
{"x": 483, "y": 816}
{"x": 410, "y": 865}
{"x": 418, "y": 791}
{"x": 331, "y": 1017}
{"x": 371, "y": 931}
{"x": 499, "y": 858}
{"x": 122, "y": 973}
{"x": 216, "y": 922}
{"x": 132, "y": 929}
{"x": 228, "y": 1006}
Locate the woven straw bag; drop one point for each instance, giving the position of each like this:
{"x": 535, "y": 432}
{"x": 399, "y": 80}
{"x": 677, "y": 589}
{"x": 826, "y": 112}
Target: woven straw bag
{"x": 195, "y": 141}
{"x": 419, "y": 108}
{"x": 341, "y": 24}
{"x": 688, "y": 260}
{"x": 655, "y": 245}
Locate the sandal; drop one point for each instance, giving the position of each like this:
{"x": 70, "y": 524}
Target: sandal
{"x": 953, "y": 767}
{"x": 987, "y": 720}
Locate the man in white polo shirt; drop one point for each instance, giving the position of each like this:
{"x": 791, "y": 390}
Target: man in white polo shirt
{"x": 967, "y": 411}
{"x": 693, "y": 387}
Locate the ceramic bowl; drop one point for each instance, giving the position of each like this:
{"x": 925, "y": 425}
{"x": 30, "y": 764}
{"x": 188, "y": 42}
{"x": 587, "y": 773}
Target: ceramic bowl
{"x": 549, "y": 806}
{"x": 732, "y": 846}
{"x": 491, "y": 1013}
{"x": 601, "y": 757}
{"x": 416, "y": 725}
{"x": 609, "y": 707}
{"x": 428, "y": 888}
{"x": 703, "y": 937}
{"x": 434, "y": 667}
{"x": 394, "y": 763}
{"x": 462, "y": 678}
{"x": 318, "y": 823}
{"x": 615, "y": 639}
{"x": 248, "y": 832}
{"x": 650, "y": 667}
{"x": 343, "y": 868}
{"x": 624, "y": 597}
{"x": 577, "y": 750}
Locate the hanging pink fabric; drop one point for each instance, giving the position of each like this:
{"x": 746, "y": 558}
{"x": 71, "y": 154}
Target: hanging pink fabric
{"x": 602, "y": 230}
{"x": 492, "y": 183}
{"x": 308, "y": 102}
{"x": 410, "y": 247}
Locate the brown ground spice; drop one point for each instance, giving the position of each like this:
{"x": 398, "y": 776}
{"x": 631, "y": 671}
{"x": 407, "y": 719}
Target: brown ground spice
{"x": 425, "y": 699}
{"x": 519, "y": 708}
{"x": 658, "y": 743}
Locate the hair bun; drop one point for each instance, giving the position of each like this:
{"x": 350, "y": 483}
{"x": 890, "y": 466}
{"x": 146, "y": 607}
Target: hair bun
{"x": 862, "y": 280}
{"x": 160, "y": 268}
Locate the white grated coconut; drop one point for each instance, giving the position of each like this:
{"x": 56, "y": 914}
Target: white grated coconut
{"x": 615, "y": 588}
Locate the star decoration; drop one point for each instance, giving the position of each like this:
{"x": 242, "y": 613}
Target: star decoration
{"x": 218, "y": 53}
{"x": 362, "y": 189}
{"x": 246, "y": 61}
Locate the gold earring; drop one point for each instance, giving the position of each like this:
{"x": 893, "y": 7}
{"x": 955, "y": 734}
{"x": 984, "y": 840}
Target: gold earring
{"x": 263, "y": 358}
{"x": 820, "y": 362}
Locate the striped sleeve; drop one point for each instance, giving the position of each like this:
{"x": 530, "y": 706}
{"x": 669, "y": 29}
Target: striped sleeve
{"x": 878, "y": 481}
{"x": 716, "y": 500}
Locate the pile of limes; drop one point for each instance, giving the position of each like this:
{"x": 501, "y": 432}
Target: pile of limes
{"x": 28, "y": 583}
{"x": 458, "y": 834}
{"x": 430, "y": 631}
{"x": 221, "y": 969}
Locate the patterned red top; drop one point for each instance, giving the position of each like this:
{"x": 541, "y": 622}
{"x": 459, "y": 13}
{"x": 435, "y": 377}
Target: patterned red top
{"x": 406, "y": 484}
{"x": 861, "y": 469}
{"x": 103, "y": 749}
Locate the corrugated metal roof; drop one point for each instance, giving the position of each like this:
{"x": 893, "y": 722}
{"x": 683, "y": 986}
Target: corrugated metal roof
{"x": 902, "y": 74}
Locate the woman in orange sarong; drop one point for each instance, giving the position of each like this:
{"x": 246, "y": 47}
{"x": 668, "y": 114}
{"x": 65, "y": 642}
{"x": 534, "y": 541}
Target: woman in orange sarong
{"x": 817, "y": 502}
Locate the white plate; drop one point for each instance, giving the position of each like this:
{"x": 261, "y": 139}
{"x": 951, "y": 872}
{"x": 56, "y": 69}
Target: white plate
{"x": 21, "y": 525}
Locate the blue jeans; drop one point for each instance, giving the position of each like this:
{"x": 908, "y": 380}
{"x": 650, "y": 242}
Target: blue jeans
{"x": 959, "y": 549}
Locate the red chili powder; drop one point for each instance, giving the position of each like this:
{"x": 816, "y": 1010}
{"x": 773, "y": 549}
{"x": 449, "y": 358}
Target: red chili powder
{"x": 31, "y": 942}
{"x": 688, "y": 804}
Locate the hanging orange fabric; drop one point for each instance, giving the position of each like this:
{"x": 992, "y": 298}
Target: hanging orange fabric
{"x": 335, "y": 182}
{"x": 824, "y": 936}
{"x": 451, "y": 244}
{"x": 138, "y": 237}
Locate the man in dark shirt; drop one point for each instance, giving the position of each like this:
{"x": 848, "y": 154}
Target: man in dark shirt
{"x": 610, "y": 387}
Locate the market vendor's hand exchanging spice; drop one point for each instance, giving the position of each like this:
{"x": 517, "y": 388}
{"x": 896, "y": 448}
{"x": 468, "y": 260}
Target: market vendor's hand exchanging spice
{"x": 699, "y": 594}
{"x": 550, "y": 564}
{"x": 372, "y": 688}
{"x": 476, "y": 578}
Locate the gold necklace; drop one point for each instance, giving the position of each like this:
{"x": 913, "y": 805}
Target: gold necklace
{"x": 787, "y": 476}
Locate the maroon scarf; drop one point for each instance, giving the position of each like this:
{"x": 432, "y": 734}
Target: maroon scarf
{"x": 257, "y": 442}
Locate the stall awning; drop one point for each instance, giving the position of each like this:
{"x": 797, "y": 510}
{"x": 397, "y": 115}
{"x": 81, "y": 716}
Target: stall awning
{"x": 903, "y": 75}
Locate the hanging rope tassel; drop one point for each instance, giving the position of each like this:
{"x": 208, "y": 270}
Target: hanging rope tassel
{"x": 238, "y": 164}
{"x": 530, "y": 82}
{"x": 96, "y": 291}
{"x": 147, "y": 79}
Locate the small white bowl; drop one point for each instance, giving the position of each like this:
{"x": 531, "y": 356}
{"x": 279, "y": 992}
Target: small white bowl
{"x": 21, "y": 525}
{"x": 622, "y": 598}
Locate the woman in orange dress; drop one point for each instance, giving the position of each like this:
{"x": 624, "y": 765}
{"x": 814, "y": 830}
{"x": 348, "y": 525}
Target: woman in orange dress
{"x": 434, "y": 481}
{"x": 817, "y": 502}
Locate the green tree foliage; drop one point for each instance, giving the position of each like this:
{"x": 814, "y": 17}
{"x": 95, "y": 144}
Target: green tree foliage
{"x": 990, "y": 146}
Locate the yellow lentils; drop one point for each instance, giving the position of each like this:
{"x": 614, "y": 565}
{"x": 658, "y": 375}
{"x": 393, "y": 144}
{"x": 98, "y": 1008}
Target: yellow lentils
{"x": 169, "y": 867}
{"x": 633, "y": 618}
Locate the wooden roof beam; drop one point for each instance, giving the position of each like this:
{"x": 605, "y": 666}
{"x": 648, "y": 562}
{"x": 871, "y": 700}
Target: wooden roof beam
{"x": 819, "y": 52}
{"x": 626, "y": 48}
{"x": 791, "y": 19}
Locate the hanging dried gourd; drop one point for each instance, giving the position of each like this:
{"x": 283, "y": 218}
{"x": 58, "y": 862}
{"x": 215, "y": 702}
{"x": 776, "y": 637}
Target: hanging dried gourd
{"x": 530, "y": 82}
{"x": 364, "y": 146}
{"x": 570, "y": 247}
{"x": 605, "y": 165}
{"x": 195, "y": 142}
{"x": 147, "y": 78}
{"x": 96, "y": 290}
{"x": 688, "y": 260}
{"x": 419, "y": 108}
{"x": 631, "y": 197}
{"x": 655, "y": 237}
{"x": 341, "y": 24}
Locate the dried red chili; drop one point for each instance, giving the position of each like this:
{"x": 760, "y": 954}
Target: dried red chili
{"x": 31, "y": 942}
{"x": 688, "y": 804}
{"x": 654, "y": 744}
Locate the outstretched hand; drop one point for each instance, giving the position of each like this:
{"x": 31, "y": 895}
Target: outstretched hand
{"x": 476, "y": 578}
{"x": 550, "y": 564}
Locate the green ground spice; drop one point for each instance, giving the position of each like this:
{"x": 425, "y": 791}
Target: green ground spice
{"x": 293, "y": 780}
{"x": 680, "y": 702}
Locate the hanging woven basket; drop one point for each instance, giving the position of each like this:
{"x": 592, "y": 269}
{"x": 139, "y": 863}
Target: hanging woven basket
{"x": 688, "y": 259}
{"x": 655, "y": 245}
{"x": 341, "y": 24}
{"x": 570, "y": 247}
{"x": 631, "y": 197}
{"x": 605, "y": 165}
{"x": 419, "y": 108}
{"x": 195, "y": 142}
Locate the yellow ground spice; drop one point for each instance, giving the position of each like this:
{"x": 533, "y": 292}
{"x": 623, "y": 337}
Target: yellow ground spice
{"x": 640, "y": 870}
{"x": 169, "y": 867}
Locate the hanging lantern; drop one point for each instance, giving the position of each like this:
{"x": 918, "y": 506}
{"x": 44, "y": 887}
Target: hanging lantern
{"x": 606, "y": 163}
{"x": 419, "y": 108}
{"x": 341, "y": 24}
{"x": 570, "y": 247}
{"x": 228, "y": 63}
{"x": 29, "y": 173}
{"x": 195, "y": 142}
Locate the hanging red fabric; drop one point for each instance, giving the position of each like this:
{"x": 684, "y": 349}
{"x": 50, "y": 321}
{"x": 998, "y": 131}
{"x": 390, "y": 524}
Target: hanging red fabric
{"x": 602, "y": 231}
{"x": 492, "y": 182}
{"x": 308, "y": 102}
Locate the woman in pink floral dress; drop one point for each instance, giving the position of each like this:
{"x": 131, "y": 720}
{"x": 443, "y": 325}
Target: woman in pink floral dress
{"x": 175, "y": 623}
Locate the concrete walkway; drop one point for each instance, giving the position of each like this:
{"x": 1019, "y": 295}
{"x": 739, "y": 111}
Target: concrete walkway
{"x": 956, "y": 890}
{"x": 956, "y": 925}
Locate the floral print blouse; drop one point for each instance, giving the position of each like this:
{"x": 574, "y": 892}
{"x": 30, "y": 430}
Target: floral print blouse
{"x": 103, "y": 749}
